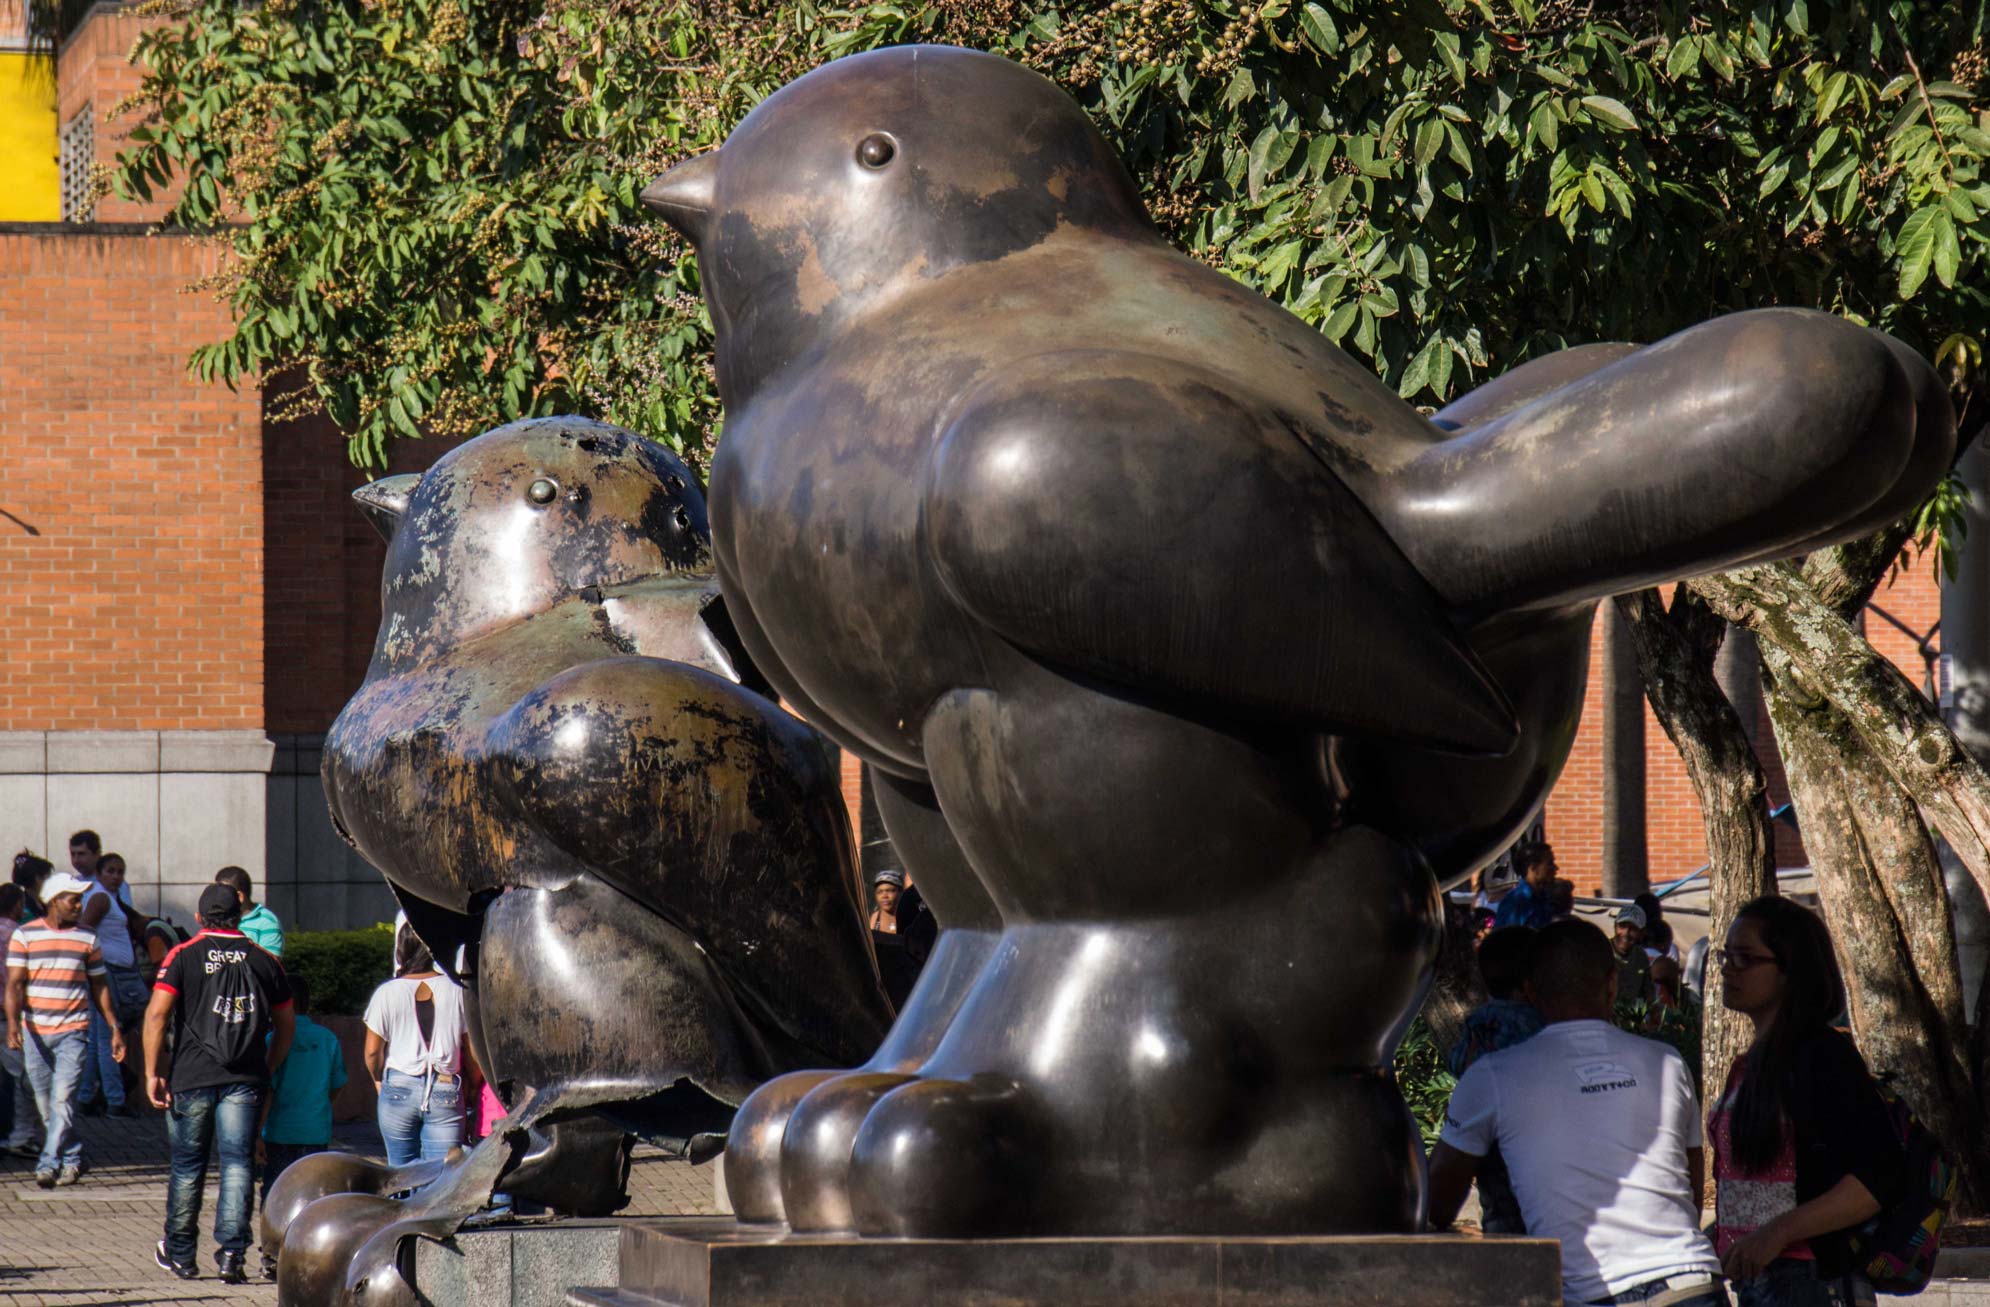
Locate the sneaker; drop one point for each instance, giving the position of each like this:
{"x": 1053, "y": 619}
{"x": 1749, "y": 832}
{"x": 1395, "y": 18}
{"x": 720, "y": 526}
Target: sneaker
{"x": 23, "y": 1150}
{"x": 228, "y": 1264}
{"x": 68, "y": 1175}
{"x": 94, "y": 1107}
{"x": 46, "y": 1179}
{"x": 124, "y": 1110}
{"x": 185, "y": 1270}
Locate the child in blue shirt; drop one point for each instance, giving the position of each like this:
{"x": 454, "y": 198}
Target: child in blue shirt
{"x": 298, "y": 1115}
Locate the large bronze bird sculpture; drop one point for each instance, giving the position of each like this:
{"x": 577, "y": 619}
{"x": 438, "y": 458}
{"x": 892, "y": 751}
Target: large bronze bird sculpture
{"x": 1193, "y": 659}
{"x": 641, "y": 871}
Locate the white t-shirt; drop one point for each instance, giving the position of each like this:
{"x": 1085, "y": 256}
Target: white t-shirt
{"x": 113, "y": 934}
{"x": 390, "y": 1014}
{"x": 1594, "y": 1125}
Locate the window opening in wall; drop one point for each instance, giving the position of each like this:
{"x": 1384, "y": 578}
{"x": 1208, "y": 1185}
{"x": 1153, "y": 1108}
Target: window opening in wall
{"x": 79, "y": 157}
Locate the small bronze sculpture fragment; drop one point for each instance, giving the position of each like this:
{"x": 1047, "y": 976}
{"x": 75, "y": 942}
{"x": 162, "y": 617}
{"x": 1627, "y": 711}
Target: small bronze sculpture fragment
{"x": 1197, "y": 659}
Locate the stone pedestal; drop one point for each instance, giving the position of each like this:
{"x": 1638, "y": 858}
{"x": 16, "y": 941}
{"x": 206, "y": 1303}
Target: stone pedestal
{"x": 712, "y": 1262}
{"x": 514, "y": 1266}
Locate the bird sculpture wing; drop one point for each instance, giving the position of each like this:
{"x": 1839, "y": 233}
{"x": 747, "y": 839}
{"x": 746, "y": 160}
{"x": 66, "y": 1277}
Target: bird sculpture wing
{"x": 1141, "y": 520}
{"x": 1754, "y": 436}
{"x": 714, "y": 809}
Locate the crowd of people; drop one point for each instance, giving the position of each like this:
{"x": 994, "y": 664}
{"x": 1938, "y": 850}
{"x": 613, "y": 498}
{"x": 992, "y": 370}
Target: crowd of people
{"x": 218, "y": 1038}
{"x": 105, "y": 1003}
{"x": 1577, "y": 1130}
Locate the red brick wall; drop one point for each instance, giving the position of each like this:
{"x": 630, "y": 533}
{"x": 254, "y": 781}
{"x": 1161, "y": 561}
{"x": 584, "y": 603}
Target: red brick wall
{"x": 322, "y": 582}
{"x": 132, "y": 566}
{"x": 1675, "y": 843}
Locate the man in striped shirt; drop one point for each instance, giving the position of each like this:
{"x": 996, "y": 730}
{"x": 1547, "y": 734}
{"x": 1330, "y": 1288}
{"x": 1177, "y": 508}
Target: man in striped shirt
{"x": 55, "y": 973}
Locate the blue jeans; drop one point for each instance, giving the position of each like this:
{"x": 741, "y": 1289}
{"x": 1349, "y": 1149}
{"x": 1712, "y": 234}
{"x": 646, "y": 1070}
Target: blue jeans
{"x": 100, "y": 1068}
{"x": 413, "y": 1131}
{"x": 221, "y": 1119}
{"x": 20, "y": 1097}
{"x": 1794, "y": 1282}
{"x": 128, "y": 999}
{"x": 54, "y": 1067}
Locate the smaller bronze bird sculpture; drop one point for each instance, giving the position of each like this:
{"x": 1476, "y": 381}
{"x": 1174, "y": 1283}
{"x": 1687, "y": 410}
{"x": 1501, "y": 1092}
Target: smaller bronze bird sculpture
{"x": 640, "y": 869}
{"x": 1196, "y": 659}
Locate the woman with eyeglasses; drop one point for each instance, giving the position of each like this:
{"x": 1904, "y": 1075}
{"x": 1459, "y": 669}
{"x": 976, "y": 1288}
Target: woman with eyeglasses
{"x": 1804, "y": 1152}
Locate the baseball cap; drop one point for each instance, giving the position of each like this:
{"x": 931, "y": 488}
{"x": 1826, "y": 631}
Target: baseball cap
{"x": 62, "y": 883}
{"x": 1632, "y": 913}
{"x": 889, "y": 876}
{"x": 219, "y": 903}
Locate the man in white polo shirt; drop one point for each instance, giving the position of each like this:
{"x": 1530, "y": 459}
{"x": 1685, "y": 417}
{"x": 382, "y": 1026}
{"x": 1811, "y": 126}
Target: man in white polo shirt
{"x": 1601, "y": 1134}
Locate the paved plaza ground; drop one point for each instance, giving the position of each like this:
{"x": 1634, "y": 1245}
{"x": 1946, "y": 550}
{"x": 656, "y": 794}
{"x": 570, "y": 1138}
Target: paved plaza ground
{"x": 92, "y": 1243}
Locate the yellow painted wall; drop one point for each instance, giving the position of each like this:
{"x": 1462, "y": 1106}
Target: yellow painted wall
{"x": 30, "y": 174}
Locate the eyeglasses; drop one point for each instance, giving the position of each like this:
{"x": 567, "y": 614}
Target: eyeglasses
{"x": 1732, "y": 961}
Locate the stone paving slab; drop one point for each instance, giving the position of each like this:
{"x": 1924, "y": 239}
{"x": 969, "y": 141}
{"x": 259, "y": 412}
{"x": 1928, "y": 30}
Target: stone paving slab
{"x": 90, "y": 1244}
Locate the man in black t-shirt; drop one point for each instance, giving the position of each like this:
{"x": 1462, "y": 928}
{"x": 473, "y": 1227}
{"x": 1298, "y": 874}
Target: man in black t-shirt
{"x": 223, "y": 995}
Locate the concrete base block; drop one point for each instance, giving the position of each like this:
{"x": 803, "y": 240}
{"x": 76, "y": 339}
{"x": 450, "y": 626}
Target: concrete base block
{"x": 516, "y": 1266}
{"x": 712, "y": 1262}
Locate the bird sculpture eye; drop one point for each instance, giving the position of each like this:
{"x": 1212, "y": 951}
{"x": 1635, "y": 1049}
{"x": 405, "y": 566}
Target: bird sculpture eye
{"x": 875, "y": 150}
{"x": 542, "y": 491}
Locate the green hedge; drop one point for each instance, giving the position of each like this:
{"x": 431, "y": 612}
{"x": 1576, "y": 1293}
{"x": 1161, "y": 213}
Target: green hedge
{"x": 342, "y": 966}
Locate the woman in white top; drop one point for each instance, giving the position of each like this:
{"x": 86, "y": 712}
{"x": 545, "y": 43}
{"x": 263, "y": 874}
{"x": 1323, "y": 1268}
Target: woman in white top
{"x": 416, "y": 1052}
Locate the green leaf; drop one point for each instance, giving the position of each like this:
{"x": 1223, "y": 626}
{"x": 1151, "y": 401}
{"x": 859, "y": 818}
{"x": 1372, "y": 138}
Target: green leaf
{"x": 1269, "y": 152}
{"x": 1948, "y": 251}
{"x": 1542, "y": 120}
{"x": 1429, "y": 140}
{"x": 1683, "y": 59}
{"x": 1340, "y": 320}
{"x": 1914, "y": 250}
{"x": 1318, "y": 25}
{"x": 1613, "y": 112}
{"x": 1241, "y": 88}
{"x": 1417, "y": 374}
{"x": 1448, "y": 50}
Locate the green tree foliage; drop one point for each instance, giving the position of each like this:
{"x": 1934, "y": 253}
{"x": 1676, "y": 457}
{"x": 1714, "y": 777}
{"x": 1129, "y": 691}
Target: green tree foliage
{"x": 439, "y": 226}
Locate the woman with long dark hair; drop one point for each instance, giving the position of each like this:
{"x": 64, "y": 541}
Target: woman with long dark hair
{"x": 418, "y": 1056}
{"x": 1804, "y": 1152}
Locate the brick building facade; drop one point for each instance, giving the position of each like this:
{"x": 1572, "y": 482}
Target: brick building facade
{"x": 193, "y": 597}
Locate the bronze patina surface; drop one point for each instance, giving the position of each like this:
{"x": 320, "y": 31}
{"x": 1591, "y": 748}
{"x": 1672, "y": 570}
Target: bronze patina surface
{"x": 1198, "y": 659}
{"x": 641, "y": 870}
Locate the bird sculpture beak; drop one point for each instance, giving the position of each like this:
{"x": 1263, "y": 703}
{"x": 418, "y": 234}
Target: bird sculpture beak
{"x": 686, "y": 196}
{"x": 385, "y": 501}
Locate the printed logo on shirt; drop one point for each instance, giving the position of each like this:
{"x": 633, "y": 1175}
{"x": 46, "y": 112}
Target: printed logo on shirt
{"x": 1604, "y": 1077}
{"x": 232, "y": 1008}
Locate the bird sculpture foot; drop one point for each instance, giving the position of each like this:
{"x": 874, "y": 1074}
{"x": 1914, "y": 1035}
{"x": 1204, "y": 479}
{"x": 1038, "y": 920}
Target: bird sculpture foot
{"x": 788, "y": 1151}
{"x": 1157, "y": 1112}
{"x": 1088, "y": 1087}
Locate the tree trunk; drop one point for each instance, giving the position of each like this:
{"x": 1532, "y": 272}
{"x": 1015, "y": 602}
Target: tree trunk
{"x": 1676, "y": 652}
{"x": 1891, "y": 930}
{"x": 1901, "y": 730}
{"x": 1626, "y": 871}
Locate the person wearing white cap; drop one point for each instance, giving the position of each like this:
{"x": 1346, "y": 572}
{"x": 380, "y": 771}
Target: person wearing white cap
{"x": 55, "y": 974}
{"x": 1633, "y": 963}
